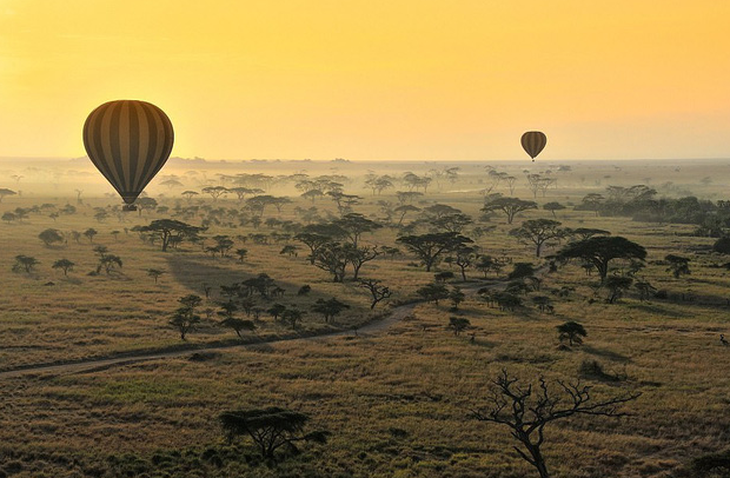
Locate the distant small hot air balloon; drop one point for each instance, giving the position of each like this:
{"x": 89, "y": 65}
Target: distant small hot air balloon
{"x": 533, "y": 143}
{"x": 128, "y": 141}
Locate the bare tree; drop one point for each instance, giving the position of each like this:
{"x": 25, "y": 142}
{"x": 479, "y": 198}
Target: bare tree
{"x": 526, "y": 413}
{"x": 378, "y": 291}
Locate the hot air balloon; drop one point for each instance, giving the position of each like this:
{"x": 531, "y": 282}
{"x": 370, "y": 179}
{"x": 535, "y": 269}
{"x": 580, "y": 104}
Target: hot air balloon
{"x": 533, "y": 142}
{"x": 128, "y": 141}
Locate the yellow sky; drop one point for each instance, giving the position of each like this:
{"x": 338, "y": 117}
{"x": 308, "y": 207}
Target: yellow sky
{"x": 375, "y": 79}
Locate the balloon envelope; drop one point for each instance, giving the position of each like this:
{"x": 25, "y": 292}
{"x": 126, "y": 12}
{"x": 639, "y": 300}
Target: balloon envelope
{"x": 128, "y": 141}
{"x": 533, "y": 142}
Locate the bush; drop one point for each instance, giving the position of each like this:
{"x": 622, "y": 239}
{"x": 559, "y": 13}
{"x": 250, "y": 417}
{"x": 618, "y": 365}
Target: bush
{"x": 722, "y": 245}
{"x": 713, "y": 465}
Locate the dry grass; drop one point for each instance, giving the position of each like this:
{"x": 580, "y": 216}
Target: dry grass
{"x": 397, "y": 403}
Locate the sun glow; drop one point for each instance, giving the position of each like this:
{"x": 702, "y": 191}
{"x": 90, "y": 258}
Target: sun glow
{"x": 407, "y": 79}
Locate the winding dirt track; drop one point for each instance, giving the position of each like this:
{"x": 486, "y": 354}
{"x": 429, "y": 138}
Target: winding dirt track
{"x": 373, "y": 328}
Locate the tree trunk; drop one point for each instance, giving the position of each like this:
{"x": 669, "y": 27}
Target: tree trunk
{"x": 537, "y": 460}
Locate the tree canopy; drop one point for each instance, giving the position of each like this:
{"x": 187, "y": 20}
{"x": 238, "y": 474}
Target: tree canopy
{"x": 170, "y": 230}
{"x": 430, "y": 247}
{"x": 601, "y": 250}
{"x": 509, "y": 206}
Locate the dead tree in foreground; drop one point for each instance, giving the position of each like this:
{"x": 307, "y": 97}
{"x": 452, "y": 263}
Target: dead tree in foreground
{"x": 526, "y": 411}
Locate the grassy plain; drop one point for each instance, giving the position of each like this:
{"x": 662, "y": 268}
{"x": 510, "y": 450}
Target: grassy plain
{"x": 397, "y": 402}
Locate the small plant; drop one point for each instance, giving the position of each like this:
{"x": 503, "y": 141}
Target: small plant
{"x": 241, "y": 253}
{"x": 90, "y": 233}
{"x": 155, "y": 274}
{"x": 456, "y": 296}
{"x": 678, "y": 265}
{"x": 442, "y": 277}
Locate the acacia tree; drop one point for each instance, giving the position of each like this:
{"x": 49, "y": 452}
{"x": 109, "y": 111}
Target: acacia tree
{"x": 292, "y": 316}
{"x": 317, "y": 236}
{"x": 64, "y": 264}
{"x": 51, "y": 236}
{"x": 144, "y": 204}
{"x": 241, "y": 253}
{"x": 456, "y": 296}
{"x": 593, "y": 202}
{"x": 430, "y": 247}
{"x": 6, "y": 192}
{"x": 333, "y": 258}
{"x": 90, "y": 233}
{"x": 487, "y": 264}
{"x": 184, "y": 318}
{"x": 601, "y": 250}
{"x": 155, "y": 274}
{"x": 355, "y": 225}
{"x": 238, "y": 325}
{"x": 552, "y": 207}
{"x": 215, "y": 191}
{"x": 433, "y": 293}
{"x": 616, "y": 286}
{"x": 403, "y": 210}
{"x": 571, "y": 331}
{"x": 358, "y": 256}
{"x": 270, "y": 429}
{"x": 26, "y": 263}
{"x": 276, "y": 310}
{"x": 678, "y": 265}
{"x": 509, "y": 206}
{"x": 539, "y": 232}
{"x": 458, "y": 324}
{"x": 463, "y": 257}
{"x": 171, "y": 231}
{"x": 584, "y": 233}
{"x": 329, "y": 308}
{"x": 526, "y": 411}
{"x": 188, "y": 195}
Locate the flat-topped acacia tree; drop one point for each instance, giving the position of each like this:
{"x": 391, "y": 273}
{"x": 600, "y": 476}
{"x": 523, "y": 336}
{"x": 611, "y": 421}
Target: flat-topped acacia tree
{"x": 430, "y": 247}
{"x": 509, "y": 206}
{"x": 601, "y": 250}
{"x": 170, "y": 230}
{"x": 6, "y": 192}
{"x": 539, "y": 232}
{"x": 271, "y": 429}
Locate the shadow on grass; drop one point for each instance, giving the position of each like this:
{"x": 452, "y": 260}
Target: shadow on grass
{"x": 653, "y": 308}
{"x": 609, "y": 354}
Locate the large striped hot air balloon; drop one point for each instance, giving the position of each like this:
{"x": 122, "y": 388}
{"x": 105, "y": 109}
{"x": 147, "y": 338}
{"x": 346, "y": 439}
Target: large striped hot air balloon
{"x": 533, "y": 142}
{"x": 128, "y": 141}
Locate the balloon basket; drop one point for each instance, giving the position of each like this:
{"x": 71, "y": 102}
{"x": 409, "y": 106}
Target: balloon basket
{"x": 129, "y": 207}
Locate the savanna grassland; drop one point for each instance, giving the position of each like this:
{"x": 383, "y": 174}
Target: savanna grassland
{"x": 397, "y": 400}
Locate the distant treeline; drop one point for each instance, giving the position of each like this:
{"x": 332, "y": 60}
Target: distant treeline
{"x": 641, "y": 204}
